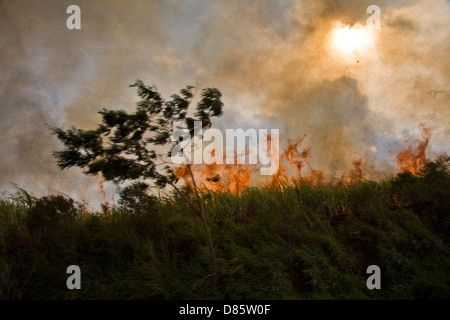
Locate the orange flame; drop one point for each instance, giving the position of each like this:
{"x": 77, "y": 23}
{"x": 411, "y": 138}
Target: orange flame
{"x": 182, "y": 172}
{"x": 315, "y": 177}
{"x": 297, "y": 159}
{"x": 356, "y": 173}
{"x": 413, "y": 160}
{"x": 218, "y": 177}
{"x": 221, "y": 177}
{"x": 99, "y": 180}
{"x": 294, "y": 158}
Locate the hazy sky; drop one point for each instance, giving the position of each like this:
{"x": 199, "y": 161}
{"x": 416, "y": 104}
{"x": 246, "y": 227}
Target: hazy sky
{"x": 275, "y": 62}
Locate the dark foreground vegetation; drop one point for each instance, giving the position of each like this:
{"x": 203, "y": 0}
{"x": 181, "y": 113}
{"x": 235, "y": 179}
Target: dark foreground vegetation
{"x": 294, "y": 241}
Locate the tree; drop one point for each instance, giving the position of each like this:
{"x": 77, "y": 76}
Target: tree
{"x": 127, "y": 146}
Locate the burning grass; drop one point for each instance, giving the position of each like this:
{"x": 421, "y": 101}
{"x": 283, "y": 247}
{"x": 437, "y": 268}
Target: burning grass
{"x": 294, "y": 166}
{"x": 292, "y": 240}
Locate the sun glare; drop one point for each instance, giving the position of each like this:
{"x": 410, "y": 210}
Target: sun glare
{"x": 348, "y": 40}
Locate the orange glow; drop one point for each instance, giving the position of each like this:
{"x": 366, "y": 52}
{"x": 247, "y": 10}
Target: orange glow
{"x": 294, "y": 166}
{"x": 292, "y": 156}
{"x": 217, "y": 177}
{"x": 222, "y": 177}
{"x": 182, "y": 172}
{"x": 315, "y": 177}
{"x": 99, "y": 180}
{"x": 411, "y": 159}
{"x": 356, "y": 173}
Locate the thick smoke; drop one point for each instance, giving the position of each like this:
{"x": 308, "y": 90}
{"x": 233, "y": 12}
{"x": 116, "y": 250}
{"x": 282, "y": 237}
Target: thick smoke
{"x": 272, "y": 60}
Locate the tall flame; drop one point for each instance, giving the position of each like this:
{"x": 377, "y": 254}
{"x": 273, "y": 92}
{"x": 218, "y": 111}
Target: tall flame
{"x": 99, "y": 180}
{"x": 411, "y": 159}
{"x": 293, "y": 157}
{"x": 356, "y": 173}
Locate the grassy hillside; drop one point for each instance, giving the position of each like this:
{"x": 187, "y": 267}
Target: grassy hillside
{"x": 295, "y": 241}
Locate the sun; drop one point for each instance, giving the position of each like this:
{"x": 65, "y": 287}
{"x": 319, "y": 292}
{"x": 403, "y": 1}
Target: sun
{"x": 348, "y": 39}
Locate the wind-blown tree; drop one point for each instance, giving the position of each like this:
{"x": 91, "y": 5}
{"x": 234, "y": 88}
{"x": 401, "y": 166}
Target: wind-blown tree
{"x": 136, "y": 147}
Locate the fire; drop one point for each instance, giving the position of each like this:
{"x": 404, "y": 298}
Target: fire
{"x": 279, "y": 176}
{"x": 315, "y": 177}
{"x": 99, "y": 180}
{"x": 182, "y": 172}
{"x": 413, "y": 160}
{"x": 218, "y": 177}
{"x": 356, "y": 173}
{"x": 294, "y": 165}
{"x": 293, "y": 157}
{"x": 357, "y": 167}
{"x": 235, "y": 177}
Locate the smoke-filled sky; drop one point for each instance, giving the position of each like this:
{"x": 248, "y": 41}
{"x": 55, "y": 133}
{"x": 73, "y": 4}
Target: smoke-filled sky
{"x": 276, "y": 63}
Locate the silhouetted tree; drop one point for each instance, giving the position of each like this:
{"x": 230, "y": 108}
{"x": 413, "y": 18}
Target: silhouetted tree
{"x": 137, "y": 146}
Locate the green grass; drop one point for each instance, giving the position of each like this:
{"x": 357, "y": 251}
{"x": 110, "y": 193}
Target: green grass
{"x": 294, "y": 241}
